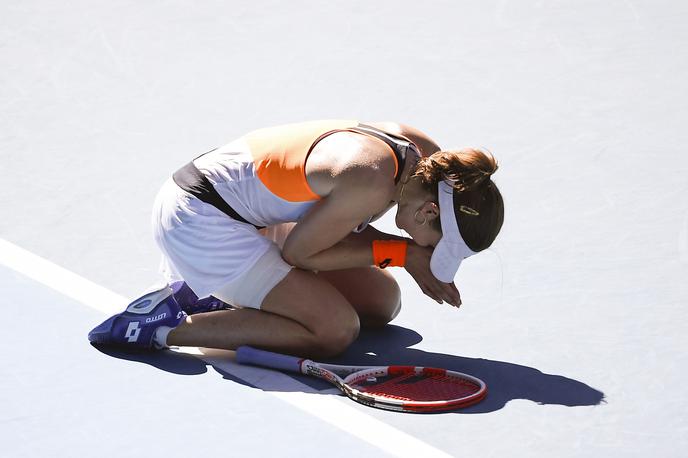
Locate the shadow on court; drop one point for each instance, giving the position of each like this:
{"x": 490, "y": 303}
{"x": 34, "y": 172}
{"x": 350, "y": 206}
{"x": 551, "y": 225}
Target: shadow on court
{"x": 168, "y": 361}
{"x": 389, "y": 345}
{"x": 505, "y": 381}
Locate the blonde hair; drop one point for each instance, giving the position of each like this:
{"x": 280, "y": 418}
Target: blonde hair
{"x": 478, "y": 204}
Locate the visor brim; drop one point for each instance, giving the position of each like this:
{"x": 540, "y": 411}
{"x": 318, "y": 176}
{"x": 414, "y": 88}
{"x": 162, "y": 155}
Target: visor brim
{"x": 451, "y": 249}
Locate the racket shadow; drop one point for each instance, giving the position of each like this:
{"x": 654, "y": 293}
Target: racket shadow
{"x": 386, "y": 346}
{"x": 505, "y": 381}
{"x": 390, "y": 345}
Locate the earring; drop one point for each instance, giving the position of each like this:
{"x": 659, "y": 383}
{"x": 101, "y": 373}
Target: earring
{"x": 415, "y": 218}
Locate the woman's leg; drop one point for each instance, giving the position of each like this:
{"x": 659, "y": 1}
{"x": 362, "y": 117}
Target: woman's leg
{"x": 303, "y": 314}
{"x": 373, "y": 293}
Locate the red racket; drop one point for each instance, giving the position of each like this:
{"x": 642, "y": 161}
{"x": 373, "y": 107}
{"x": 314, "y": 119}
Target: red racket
{"x": 399, "y": 388}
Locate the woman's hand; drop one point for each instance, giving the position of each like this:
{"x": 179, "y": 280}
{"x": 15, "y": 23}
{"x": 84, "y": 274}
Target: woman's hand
{"x": 418, "y": 265}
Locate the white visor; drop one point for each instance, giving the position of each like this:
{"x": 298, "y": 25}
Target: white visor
{"x": 451, "y": 249}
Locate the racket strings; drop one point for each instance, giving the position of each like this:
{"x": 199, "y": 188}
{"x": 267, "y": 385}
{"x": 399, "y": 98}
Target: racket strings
{"x": 421, "y": 387}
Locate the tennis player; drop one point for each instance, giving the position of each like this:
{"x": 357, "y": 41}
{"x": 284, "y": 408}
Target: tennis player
{"x": 268, "y": 236}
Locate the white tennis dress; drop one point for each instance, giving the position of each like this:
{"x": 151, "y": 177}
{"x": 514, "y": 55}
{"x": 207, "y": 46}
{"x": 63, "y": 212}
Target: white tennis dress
{"x": 260, "y": 180}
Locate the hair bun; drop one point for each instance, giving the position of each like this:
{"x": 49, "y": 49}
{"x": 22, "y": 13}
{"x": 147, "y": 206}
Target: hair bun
{"x": 472, "y": 168}
{"x": 469, "y": 168}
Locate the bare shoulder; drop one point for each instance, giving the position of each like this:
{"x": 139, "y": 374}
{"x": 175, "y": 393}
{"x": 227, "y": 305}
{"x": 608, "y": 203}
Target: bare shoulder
{"x": 426, "y": 144}
{"x": 351, "y": 161}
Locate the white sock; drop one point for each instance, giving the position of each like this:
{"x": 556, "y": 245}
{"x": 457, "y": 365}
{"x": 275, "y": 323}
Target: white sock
{"x": 160, "y": 337}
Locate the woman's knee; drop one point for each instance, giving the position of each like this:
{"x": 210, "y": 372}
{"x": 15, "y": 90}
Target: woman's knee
{"x": 383, "y": 306}
{"x": 334, "y": 336}
{"x": 373, "y": 292}
{"x": 304, "y": 297}
{"x": 380, "y": 314}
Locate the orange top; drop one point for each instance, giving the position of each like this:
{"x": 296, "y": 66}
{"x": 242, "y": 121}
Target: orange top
{"x": 280, "y": 153}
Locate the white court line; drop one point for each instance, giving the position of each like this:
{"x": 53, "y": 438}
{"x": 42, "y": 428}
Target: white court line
{"x": 683, "y": 241}
{"x": 329, "y": 409}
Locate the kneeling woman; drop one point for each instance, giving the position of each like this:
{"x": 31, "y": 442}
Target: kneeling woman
{"x": 276, "y": 224}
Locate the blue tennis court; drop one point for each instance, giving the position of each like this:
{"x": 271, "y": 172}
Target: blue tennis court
{"x": 575, "y": 318}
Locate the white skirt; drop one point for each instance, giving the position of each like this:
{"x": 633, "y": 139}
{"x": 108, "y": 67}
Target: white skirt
{"x": 212, "y": 252}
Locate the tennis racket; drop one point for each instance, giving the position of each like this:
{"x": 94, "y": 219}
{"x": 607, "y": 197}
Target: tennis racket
{"x": 399, "y": 388}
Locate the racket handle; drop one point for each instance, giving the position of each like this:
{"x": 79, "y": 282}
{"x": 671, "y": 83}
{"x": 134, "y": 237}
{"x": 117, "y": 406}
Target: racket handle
{"x": 250, "y": 355}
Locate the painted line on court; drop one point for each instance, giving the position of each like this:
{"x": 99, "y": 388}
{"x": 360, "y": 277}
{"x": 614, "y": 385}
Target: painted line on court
{"x": 683, "y": 240}
{"x": 330, "y": 409}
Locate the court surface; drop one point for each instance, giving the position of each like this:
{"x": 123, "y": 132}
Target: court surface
{"x": 575, "y": 318}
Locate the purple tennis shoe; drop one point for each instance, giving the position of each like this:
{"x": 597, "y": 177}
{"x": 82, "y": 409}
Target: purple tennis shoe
{"x": 136, "y": 326}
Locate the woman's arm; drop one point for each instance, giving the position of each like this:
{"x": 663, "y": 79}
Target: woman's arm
{"x": 322, "y": 240}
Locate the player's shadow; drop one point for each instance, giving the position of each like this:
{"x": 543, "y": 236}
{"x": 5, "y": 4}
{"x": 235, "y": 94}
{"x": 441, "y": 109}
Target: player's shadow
{"x": 390, "y": 345}
{"x": 168, "y": 361}
{"x": 505, "y": 381}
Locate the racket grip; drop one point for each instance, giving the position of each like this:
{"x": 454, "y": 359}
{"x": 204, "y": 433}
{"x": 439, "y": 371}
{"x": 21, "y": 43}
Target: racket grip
{"x": 250, "y": 355}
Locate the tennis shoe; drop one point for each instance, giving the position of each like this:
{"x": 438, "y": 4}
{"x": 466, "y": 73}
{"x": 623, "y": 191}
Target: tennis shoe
{"x": 136, "y": 326}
